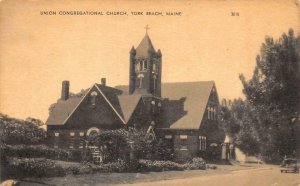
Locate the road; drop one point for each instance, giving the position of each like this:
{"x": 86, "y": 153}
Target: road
{"x": 267, "y": 176}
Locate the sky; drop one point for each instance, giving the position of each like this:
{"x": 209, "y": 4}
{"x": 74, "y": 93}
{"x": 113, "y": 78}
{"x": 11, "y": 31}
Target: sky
{"x": 38, "y": 52}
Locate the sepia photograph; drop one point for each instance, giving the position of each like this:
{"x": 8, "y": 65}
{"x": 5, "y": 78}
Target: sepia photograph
{"x": 149, "y": 93}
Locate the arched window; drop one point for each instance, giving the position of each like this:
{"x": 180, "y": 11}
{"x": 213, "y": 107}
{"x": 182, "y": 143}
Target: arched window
{"x": 93, "y": 97}
{"x": 137, "y": 67}
{"x": 208, "y": 112}
{"x": 93, "y": 131}
{"x": 154, "y": 67}
{"x": 140, "y": 77}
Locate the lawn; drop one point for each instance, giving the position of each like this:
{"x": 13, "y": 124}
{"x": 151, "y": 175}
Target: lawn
{"x": 121, "y": 178}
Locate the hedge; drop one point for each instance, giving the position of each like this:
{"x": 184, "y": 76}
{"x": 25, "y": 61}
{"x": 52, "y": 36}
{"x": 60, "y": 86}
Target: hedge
{"x": 87, "y": 168}
{"x": 39, "y": 151}
{"x": 149, "y": 165}
{"x": 32, "y": 167}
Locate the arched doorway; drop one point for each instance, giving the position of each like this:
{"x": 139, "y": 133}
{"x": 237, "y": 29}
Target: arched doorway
{"x": 94, "y": 150}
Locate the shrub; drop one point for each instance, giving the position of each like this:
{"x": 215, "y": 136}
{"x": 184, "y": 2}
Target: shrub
{"x": 35, "y": 151}
{"x": 15, "y": 131}
{"x": 118, "y": 144}
{"x": 196, "y": 164}
{"x": 33, "y": 167}
{"x": 86, "y": 168}
{"x": 149, "y": 165}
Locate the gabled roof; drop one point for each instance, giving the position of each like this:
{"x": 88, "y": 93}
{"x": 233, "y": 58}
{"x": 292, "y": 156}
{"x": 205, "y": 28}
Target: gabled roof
{"x": 63, "y": 110}
{"x": 144, "y": 47}
{"x": 196, "y": 94}
{"x": 128, "y": 104}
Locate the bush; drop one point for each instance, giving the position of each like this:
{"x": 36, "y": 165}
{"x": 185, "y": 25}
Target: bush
{"x": 32, "y": 167}
{"x": 149, "y": 165}
{"x": 15, "y": 131}
{"x": 35, "y": 151}
{"x": 86, "y": 168}
{"x": 196, "y": 164}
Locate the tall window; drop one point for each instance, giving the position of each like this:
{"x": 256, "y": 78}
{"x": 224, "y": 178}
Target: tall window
{"x": 215, "y": 113}
{"x": 137, "y": 67}
{"x": 81, "y": 140}
{"x": 154, "y": 67}
{"x": 93, "y": 97}
{"x": 208, "y": 112}
{"x": 145, "y": 64}
{"x": 72, "y": 140}
{"x": 202, "y": 143}
{"x": 56, "y": 140}
{"x": 140, "y": 77}
{"x": 141, "y": 65}
{"x": 183, "y": 142}
{"x": 154, "y": 82}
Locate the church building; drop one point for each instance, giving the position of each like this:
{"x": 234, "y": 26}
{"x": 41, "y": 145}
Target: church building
{"x": 182, "y": 114}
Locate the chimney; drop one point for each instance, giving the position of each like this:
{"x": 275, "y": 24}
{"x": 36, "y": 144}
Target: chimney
{"x": 65, "y": 90}
{"x": 103, "y": 81}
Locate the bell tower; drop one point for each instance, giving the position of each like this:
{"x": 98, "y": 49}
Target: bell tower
{"x": 145, "y": 68}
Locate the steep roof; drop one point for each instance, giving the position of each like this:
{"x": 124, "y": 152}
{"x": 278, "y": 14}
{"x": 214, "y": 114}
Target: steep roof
{"x": 196, "y": 94}
{"x": 61, "y": 110}
{"x": 144, "y": 47}
{"x": 128, "y": 103}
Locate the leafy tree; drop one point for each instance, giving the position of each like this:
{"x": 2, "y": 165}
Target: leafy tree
{"x": 116, "y": 144}
{"x": 237, "y": 120}
{"x": 15, "y": 131}
{"x": 273, "y": 96}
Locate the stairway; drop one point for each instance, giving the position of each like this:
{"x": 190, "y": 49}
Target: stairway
{"x": 96, "y": 154}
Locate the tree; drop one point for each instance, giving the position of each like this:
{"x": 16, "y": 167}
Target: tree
{"x": 273, "y": 95}
{"x": 237, "y": 120}
{"x": 15, "y": 131}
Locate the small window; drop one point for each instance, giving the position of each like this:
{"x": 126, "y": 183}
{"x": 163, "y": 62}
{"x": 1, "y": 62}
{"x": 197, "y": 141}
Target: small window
{"x": 81, "y": 133}
{"x": 72, "y": 134}
{"x": 56, "y": 134}
{"x": 168, "y": 136}
{"x": 71, "y": 147}
{"x": 183, "y": 142}
{"x": 183, "y": 136}
{"x": 55, "y": 146}
{"x": 80, "y": 146}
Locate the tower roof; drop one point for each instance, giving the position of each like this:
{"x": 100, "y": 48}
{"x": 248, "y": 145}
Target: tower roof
{"x": 145, "y": 47}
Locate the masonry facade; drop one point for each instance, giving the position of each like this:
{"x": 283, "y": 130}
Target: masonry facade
{"x": 184, "y": 115}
